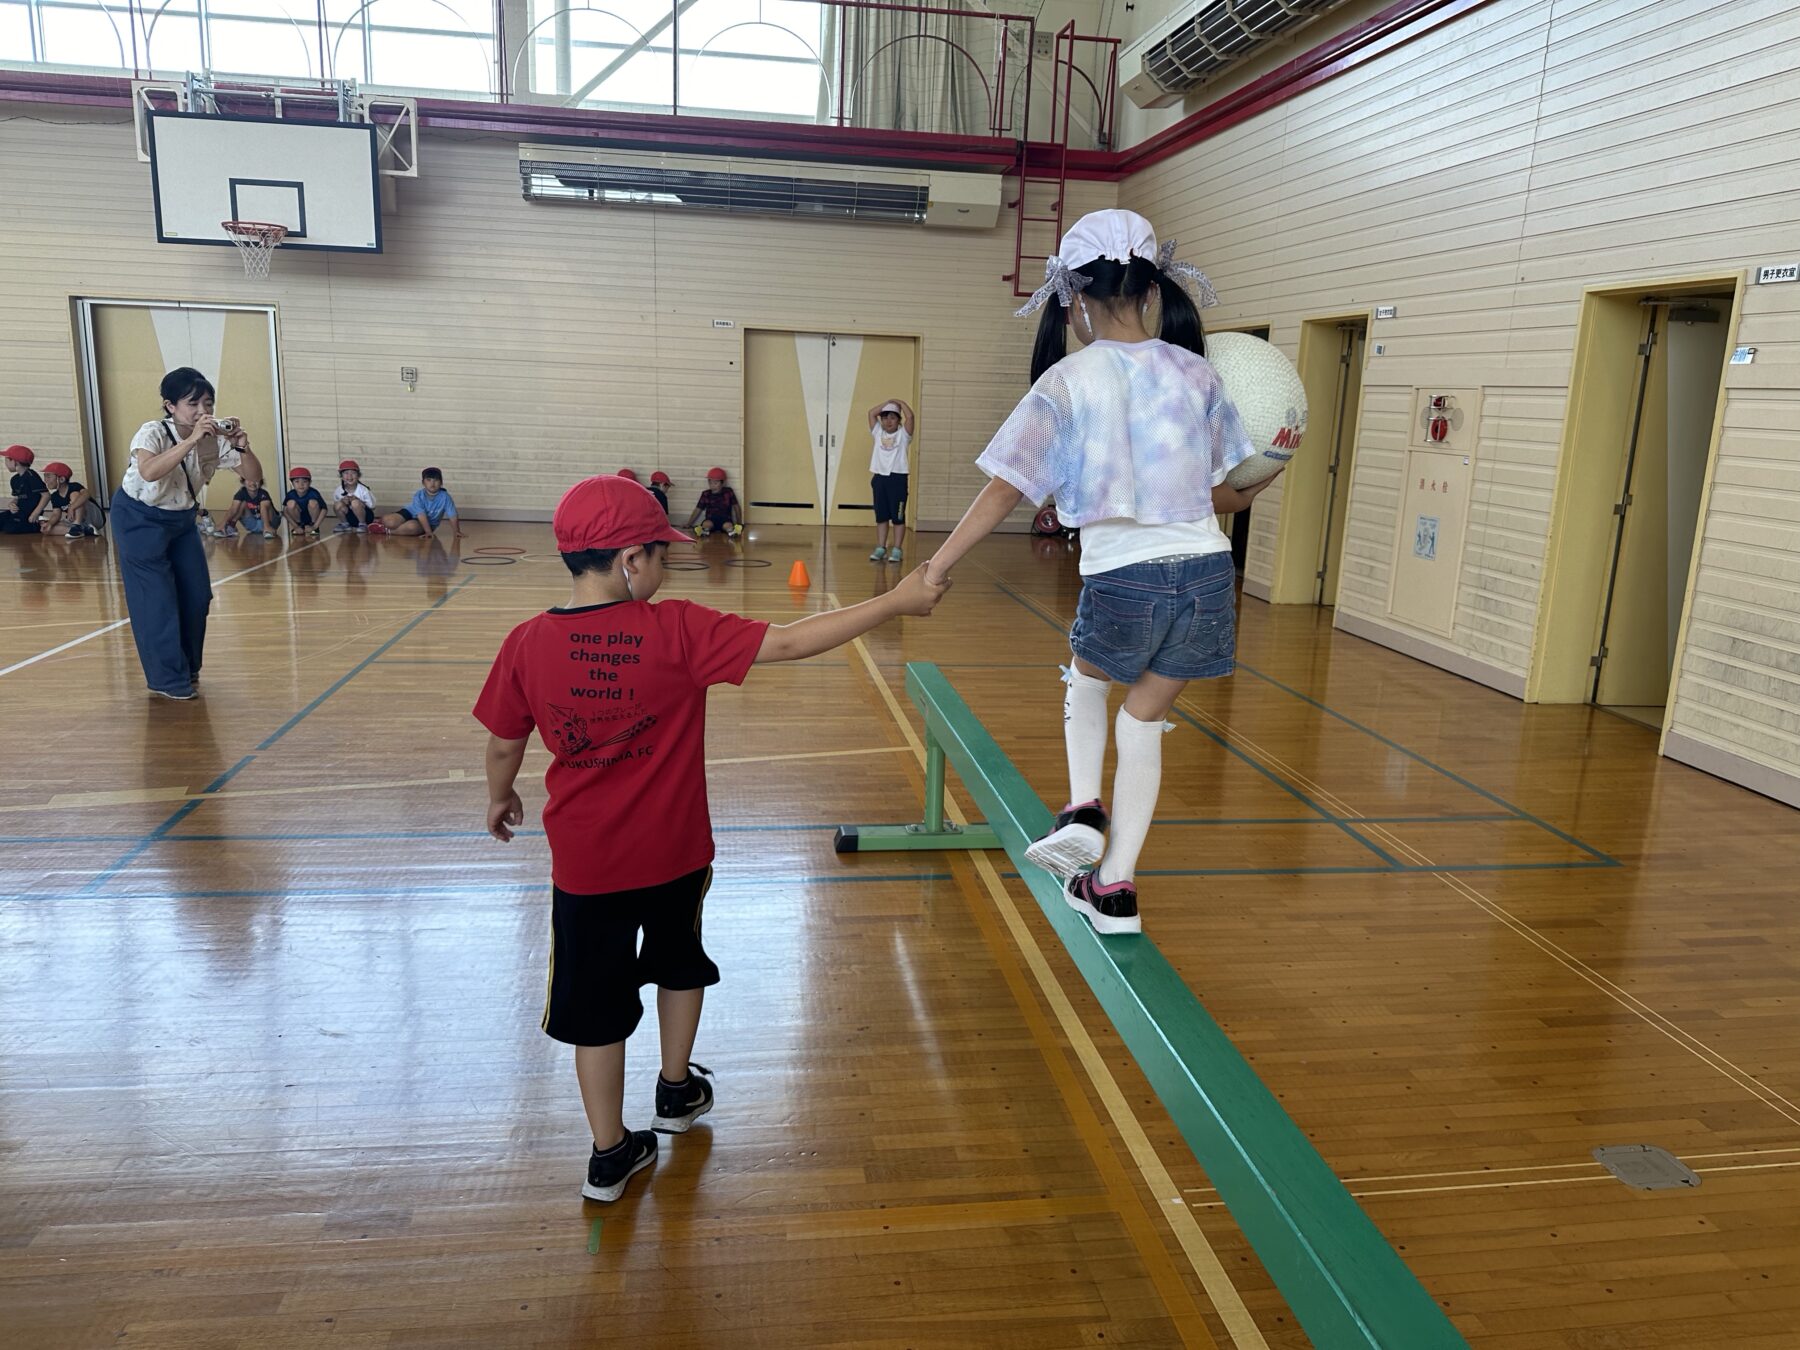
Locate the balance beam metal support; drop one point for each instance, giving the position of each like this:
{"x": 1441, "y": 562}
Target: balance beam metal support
{"x": 932, "y": 834}
{"x": 1344, "y": 1282}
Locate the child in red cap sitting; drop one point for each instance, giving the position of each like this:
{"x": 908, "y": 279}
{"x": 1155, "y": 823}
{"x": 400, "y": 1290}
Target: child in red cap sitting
{"x": 719, "y": 504}
{"x": 18, "y": 515}
{"x": 68, "y": 508}
{"x": 616, "y": 688}
{"x": 660, "y": 483}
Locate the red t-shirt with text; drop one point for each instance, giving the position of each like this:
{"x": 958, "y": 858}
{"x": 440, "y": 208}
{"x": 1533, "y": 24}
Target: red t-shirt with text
{"x": 618, "y": 694}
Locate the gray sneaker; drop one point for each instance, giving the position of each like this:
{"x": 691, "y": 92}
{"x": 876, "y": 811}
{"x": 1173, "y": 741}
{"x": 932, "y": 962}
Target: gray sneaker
{"x": 894, "y": 555}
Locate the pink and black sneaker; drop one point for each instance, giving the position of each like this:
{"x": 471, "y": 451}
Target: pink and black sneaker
{"x": 1075, "y": 844}
{"x": 1111, "y": 909}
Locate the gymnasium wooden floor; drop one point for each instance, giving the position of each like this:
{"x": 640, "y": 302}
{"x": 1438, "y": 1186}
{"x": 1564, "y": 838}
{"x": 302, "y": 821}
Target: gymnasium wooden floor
{"x": 270, "y": 1072}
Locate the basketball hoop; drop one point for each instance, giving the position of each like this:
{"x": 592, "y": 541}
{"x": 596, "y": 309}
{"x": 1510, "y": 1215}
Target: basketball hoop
{"x": 255, "y": 240}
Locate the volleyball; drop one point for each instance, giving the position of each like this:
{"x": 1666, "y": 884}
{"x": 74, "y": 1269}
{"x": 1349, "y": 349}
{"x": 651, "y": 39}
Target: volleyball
{"x": 1271, "y": 402}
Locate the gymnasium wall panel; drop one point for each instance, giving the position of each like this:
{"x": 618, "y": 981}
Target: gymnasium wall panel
{"x": 551, "y": 341}
{"x": 1478, "y": 180}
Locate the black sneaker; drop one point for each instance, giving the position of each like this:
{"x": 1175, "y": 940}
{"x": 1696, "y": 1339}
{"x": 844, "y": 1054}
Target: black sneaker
{"x": 1111, "y": 909}
{"x": 609, "y": 1171}
{"x": 679, "y": 1105}
{"x": 1075, "y": 844}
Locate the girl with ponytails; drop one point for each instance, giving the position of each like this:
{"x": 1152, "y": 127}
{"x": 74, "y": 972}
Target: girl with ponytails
{"x": 1133, "y": 436}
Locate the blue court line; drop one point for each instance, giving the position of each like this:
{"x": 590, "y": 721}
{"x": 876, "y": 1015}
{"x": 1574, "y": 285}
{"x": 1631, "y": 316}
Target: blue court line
{"x": 1424, "y": 869}
{"x": 181, "y": 813}
{"x": 1522, "y": 814}
{"x": 362, "y": 665}
{"x": 462, "y": 892}
{"x": 189, "y": 807}
{"x": 797, "y": 827}
{"x": 1228, "y": 747}
{"x": 1516, "y": 812}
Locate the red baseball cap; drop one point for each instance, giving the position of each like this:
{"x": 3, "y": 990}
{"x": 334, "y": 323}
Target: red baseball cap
{"x": 348, "y": 464}
{"x": 715, "y": 473}
{"x": 61, "y": 470}
{"x": 607, "y": 511}
{"x": 659, "y": 477}
{"x": 298, "y": 472}
{"x": 18, "y": 454}
{"x": 629, "y": 475}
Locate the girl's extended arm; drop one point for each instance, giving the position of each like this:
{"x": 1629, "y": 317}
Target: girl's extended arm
{"x": 993, "y": 504}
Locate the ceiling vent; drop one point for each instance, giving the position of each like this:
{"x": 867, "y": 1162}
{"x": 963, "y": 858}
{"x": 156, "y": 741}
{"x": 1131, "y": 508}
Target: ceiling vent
{"x": 1202, "y": 38}
{"x": 758, "y": 187}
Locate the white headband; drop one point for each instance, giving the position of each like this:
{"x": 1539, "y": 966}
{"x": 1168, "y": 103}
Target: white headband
{"x": 1118, "y": 236}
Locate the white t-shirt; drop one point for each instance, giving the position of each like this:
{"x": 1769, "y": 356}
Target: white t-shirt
{"x": 890, "y": 451}
{"x": 360, "y": 492}
{"x": 1107, "y": 545}
{"x": 179, "y": 489}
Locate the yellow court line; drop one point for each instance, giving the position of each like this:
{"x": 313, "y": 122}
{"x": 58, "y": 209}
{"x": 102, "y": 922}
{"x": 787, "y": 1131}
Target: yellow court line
{"x": 1240, "y": 1326}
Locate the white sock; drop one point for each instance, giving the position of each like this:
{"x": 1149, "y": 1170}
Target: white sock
{"x": 1084, "y": 733}
{"x": 1136, "y": 782}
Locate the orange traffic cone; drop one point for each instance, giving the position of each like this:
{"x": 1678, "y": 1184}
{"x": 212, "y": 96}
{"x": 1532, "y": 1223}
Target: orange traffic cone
{"x": 797, "y": 574}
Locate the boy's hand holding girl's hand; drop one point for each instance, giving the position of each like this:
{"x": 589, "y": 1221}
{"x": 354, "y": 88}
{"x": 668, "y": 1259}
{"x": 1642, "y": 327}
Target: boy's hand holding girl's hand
{"x": 504, "y": 814}
{"x": 918, "y": 594}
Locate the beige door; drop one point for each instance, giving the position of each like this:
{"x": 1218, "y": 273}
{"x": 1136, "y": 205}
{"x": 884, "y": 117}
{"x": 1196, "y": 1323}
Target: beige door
{"x": 132, "y": 346}
{"x": 1342, "y": 449}
{"x": 806, "y": 427}
{"x": 784, "y": 445}
{"x": 1665, "y": 465}
{"x": 865, "y": 371}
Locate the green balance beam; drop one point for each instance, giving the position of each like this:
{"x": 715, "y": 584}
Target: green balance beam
{"x": 1345, "y": 1284}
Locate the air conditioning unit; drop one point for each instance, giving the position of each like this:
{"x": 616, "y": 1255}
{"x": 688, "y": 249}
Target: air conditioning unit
{"x": 1201, "y": 39}
{"x": 759, "y": 187}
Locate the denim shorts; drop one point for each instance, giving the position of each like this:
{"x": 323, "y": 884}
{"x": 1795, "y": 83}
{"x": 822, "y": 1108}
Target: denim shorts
{"x": 1176, "y": 618}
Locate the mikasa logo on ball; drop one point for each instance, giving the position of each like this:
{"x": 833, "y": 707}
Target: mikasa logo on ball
{"x": 1288, "y": 437}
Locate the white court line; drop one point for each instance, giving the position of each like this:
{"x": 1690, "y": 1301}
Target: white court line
{"x": 120, "y": 623}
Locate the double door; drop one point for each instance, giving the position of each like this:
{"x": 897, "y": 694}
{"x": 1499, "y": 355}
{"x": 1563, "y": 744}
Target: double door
{"x": 128, "y": 346}
{"x": 806, "y": 422}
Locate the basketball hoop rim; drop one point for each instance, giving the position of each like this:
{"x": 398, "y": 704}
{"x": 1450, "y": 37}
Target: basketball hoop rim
{"x": 262, "y": 230}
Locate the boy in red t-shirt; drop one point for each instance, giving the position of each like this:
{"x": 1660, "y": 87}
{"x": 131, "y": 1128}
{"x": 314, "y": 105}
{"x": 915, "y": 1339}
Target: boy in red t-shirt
{"x": 616, "y": 687}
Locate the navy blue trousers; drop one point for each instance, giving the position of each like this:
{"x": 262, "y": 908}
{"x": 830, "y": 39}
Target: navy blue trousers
{"x": 167, "y": 590}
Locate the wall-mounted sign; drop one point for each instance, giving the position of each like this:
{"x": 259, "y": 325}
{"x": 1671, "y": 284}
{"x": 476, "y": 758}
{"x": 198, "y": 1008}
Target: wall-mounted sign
{"x": 1743, "y": 356}
{"x": 1386, "y": 311}
{"x": 1777, "y": 272}
{"x": 724, "y": 323}
{"x": 1425, "y": 538}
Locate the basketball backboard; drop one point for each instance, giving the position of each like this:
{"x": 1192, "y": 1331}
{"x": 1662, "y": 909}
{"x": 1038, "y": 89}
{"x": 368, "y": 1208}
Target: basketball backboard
{"x": 319, "y": 179}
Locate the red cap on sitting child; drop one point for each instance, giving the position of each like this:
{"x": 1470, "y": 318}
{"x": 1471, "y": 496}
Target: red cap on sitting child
{"x": 608, "y": 511}
{"x": 715, "y": 473}
{"x": 298, "y": 472}
{"x": 61, "y": 470}
{"x": 629, "y": 475}
{"x": 18, "y": 454}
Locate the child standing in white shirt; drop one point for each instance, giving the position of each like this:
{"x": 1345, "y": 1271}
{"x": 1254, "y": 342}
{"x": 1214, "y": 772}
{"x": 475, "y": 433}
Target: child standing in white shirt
{"x": 1133, "y": 436}
{"x": 891, "y": 426}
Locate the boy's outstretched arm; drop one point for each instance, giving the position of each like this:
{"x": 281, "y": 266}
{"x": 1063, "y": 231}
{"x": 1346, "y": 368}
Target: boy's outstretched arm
{"x": 504, "y": 759}
{"x": 818, "y": 633}
{"x": 993, "y": 504}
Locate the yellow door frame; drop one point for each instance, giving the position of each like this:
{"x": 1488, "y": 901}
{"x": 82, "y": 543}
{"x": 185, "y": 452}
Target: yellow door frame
{"x": 1307, "y": 483}
{"x": 1578, "y": 550}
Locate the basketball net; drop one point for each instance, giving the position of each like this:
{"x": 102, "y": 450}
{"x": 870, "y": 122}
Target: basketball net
{"x": 255, "y": 240}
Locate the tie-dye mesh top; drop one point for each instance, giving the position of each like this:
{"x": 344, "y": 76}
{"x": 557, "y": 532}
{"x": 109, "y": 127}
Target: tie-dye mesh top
{"x": 1122, "y": 430}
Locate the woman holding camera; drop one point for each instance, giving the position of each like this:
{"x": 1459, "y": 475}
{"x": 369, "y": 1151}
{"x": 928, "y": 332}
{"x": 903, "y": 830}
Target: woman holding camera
{"x": 167, "y": 589}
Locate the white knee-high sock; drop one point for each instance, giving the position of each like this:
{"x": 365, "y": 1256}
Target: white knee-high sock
{"x": 1136, "y": 781}
{"x": 1084, "y": 733}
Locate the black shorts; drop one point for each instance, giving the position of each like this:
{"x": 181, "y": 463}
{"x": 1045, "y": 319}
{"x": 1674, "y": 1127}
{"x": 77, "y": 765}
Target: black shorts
{"x": 596, "y": 967}
{"x": 890, "y": 497}
{"x": 404, "y": 513}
